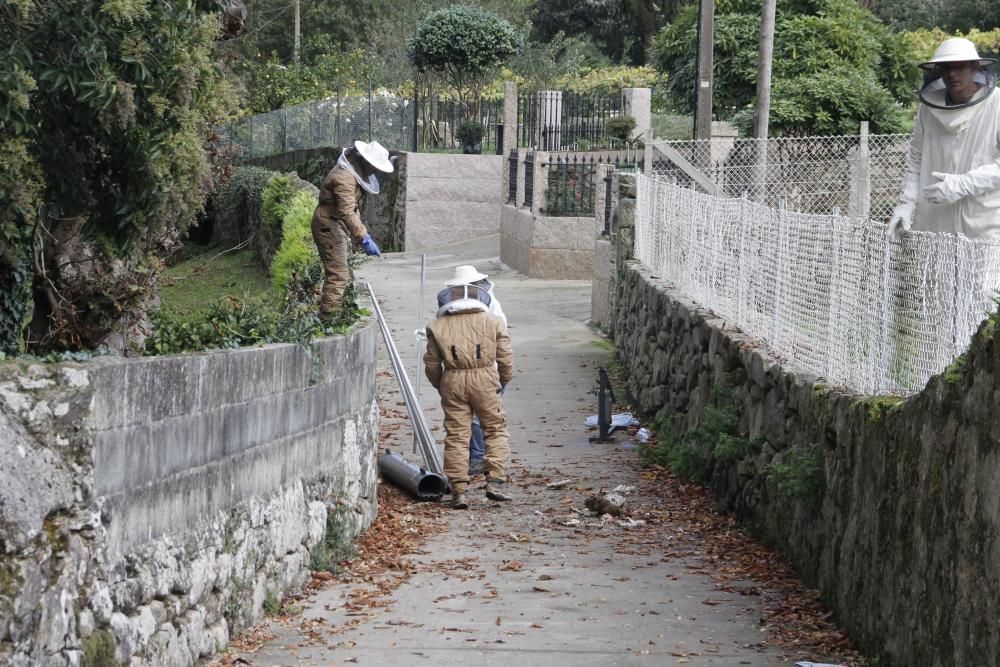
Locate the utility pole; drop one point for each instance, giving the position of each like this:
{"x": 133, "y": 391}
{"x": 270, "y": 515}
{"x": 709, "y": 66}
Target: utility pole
{"x": 703, "y": 92}
{"x": 764, "y": 60}
{"x": 297, "y": 31}
{"x": 762, "y": 111}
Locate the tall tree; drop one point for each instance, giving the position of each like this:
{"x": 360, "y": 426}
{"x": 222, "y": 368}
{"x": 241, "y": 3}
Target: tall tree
{"x": 621, "y": 29}
{"x": 835, "y": 64}
{"x": 465, "y": 45}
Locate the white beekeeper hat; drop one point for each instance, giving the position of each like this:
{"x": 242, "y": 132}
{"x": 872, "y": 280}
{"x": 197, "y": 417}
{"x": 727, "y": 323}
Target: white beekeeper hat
{"x": 375, "y": 154}
{"x": 956, "y": 50}
{"x": 465, "y": 275}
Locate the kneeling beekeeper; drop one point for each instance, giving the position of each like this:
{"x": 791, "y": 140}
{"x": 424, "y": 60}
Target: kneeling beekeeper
{"x": 469, "y": 362}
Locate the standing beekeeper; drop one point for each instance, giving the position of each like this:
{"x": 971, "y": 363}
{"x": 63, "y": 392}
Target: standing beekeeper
{"x": 337, "y": 219}
{"x": 468, "y": 275}
{"x": 469, "y": 361}
{"x": 952, "y": 179}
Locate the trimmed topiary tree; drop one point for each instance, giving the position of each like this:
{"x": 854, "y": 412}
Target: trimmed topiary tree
{"x": 466, "y": 46}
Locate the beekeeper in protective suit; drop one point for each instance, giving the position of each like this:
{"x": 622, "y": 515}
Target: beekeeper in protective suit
{"x": 469, "y": 361}
{"x": 468, "y": 275}
{"x": 337, "y": 219}
{"x": 952, "y": 180}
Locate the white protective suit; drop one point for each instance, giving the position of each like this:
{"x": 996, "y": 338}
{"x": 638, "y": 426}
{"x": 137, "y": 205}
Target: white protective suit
{"x": 954, "y": 159}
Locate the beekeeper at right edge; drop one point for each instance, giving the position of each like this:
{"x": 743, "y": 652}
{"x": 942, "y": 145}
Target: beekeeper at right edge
{"x": 952, "y": 180}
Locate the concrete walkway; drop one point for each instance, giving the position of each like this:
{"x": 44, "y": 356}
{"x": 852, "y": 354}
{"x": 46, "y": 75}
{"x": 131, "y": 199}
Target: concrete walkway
{"x": 533, "y": 581}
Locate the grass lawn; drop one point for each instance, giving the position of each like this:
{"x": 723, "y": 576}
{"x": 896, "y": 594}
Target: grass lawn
{"x": 204, "y": 277}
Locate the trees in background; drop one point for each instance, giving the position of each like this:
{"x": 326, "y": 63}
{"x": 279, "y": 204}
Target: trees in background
{"x": 835, "y": 65}
{"x": 104, "y": 107}
{"x": 620, "y": 29}
{"x": 465, "y": 46}
{"x": 949, "y": 15}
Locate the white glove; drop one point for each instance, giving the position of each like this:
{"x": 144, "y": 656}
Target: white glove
{"x": 902, "y": 218}
{"x": 948, "y": 190}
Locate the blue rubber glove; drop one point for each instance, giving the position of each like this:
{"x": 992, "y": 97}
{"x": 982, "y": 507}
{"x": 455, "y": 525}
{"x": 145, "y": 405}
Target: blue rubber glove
{"x": 371, "y": 248}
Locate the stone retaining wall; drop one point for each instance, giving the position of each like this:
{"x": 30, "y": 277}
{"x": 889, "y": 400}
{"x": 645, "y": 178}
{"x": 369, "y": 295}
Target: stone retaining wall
{"x": 890, "y": 508}
{"x": 151, "y": 507}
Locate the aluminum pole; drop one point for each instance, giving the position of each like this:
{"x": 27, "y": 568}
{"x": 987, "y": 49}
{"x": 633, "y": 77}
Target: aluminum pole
{"x": 420, "y": 334}
{"x": 417, "y": 419}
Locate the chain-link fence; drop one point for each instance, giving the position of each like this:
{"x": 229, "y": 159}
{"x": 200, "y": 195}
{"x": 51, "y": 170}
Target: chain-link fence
{"x": 831, "y": 293}
{"x": 857, "y": 175}
{"x": 334, "y": 121}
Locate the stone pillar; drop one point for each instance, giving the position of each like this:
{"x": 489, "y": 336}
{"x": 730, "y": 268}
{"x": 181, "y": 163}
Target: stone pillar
{"x": 509, "y": 116}
{"x": 549, "y": 119}
{"x": 637, "y": 105}
{"x": 540, "y": 183}
{"x": 622, "y": 241}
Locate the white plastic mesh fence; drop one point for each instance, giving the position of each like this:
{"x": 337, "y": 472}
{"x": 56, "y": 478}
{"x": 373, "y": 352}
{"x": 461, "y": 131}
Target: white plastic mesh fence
{"x": 831, "y": 293}
{"x": 859, "y": 175}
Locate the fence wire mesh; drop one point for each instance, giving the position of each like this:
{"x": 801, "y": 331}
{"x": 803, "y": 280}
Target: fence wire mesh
{"x": 334, "y": 121}
{"x": 858, "y": 175}
{"x": 829, "y": 292}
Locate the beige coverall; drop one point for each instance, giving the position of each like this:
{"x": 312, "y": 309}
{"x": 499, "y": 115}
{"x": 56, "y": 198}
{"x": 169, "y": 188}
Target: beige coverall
{"x": 336, "y": 221}
{"x": 468, "y": 357}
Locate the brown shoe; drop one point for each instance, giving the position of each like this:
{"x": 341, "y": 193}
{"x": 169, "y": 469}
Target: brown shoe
{"x": 494, "y": 491}
{"x": 458, "y": 501}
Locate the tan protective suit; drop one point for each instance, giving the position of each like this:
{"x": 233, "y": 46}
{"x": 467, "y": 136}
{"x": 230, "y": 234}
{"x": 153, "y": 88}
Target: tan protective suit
{"x": 468, "y": 357}
{"x": 336, "y": 221}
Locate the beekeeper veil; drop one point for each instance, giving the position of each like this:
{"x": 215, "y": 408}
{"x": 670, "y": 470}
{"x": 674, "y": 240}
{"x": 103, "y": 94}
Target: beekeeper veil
{"x": 951, "y": 51}
{"x": 374, "y": 154}
{"x": 462, "y": 298}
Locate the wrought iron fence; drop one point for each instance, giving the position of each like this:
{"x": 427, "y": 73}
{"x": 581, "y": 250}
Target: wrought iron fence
{"x": 560, "y": 121}
{"x": 529, "y": 180}
{"x": 333, "y": 121}
{"x": 440, "y": 120}
{"x": 572, "y": 182}
{"x": 512, "y": 177}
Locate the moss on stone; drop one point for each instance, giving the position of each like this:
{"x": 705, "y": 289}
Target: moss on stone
{"x": 956, "y": 369}
{"x": 99, "y": 650}
{"x": 877, "y": 407}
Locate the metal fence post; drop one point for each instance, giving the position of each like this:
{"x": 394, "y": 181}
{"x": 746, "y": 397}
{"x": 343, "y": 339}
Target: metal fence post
{"x": 416, "y": 116}
{"x": 369, "y": 108}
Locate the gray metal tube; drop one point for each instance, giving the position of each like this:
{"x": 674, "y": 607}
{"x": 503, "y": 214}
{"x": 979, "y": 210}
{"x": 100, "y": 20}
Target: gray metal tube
{"x": 419, "y": 482}
{"x": 417, "y": 419}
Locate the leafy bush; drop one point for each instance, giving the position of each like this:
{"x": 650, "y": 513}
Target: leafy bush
{"x": 237, "y": 204}
{"x": 276, "y": 199}
{"x": 835, "y": 65}
{"x": 469, "y": 132}
{"x": 608, "y": 80}
{"x": 714, "y": 440}
{"x": 297, "y": 261}
{"x": 800, "y": 474}
{"x": 620, "y": 127}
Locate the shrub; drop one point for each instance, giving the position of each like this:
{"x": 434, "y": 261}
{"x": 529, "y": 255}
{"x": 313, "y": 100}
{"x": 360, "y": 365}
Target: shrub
{"x": 297, "y": 259}
{"x": 276, "y": 199}
{"x": 799, "y": 474}
{"x": 236, "y": 205}
{"x": 620, "y": 127}
{"x": 469, "y": 133}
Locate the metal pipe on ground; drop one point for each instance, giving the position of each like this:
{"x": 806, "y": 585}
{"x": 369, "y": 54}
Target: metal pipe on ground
{"x": 423, "y": 434}
{"x": 419, "y": 482}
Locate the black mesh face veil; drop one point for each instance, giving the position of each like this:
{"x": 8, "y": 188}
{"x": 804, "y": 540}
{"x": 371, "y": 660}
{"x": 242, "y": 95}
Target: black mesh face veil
{"x": 470, "y": 296}
{"x": 935, "y": 94}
